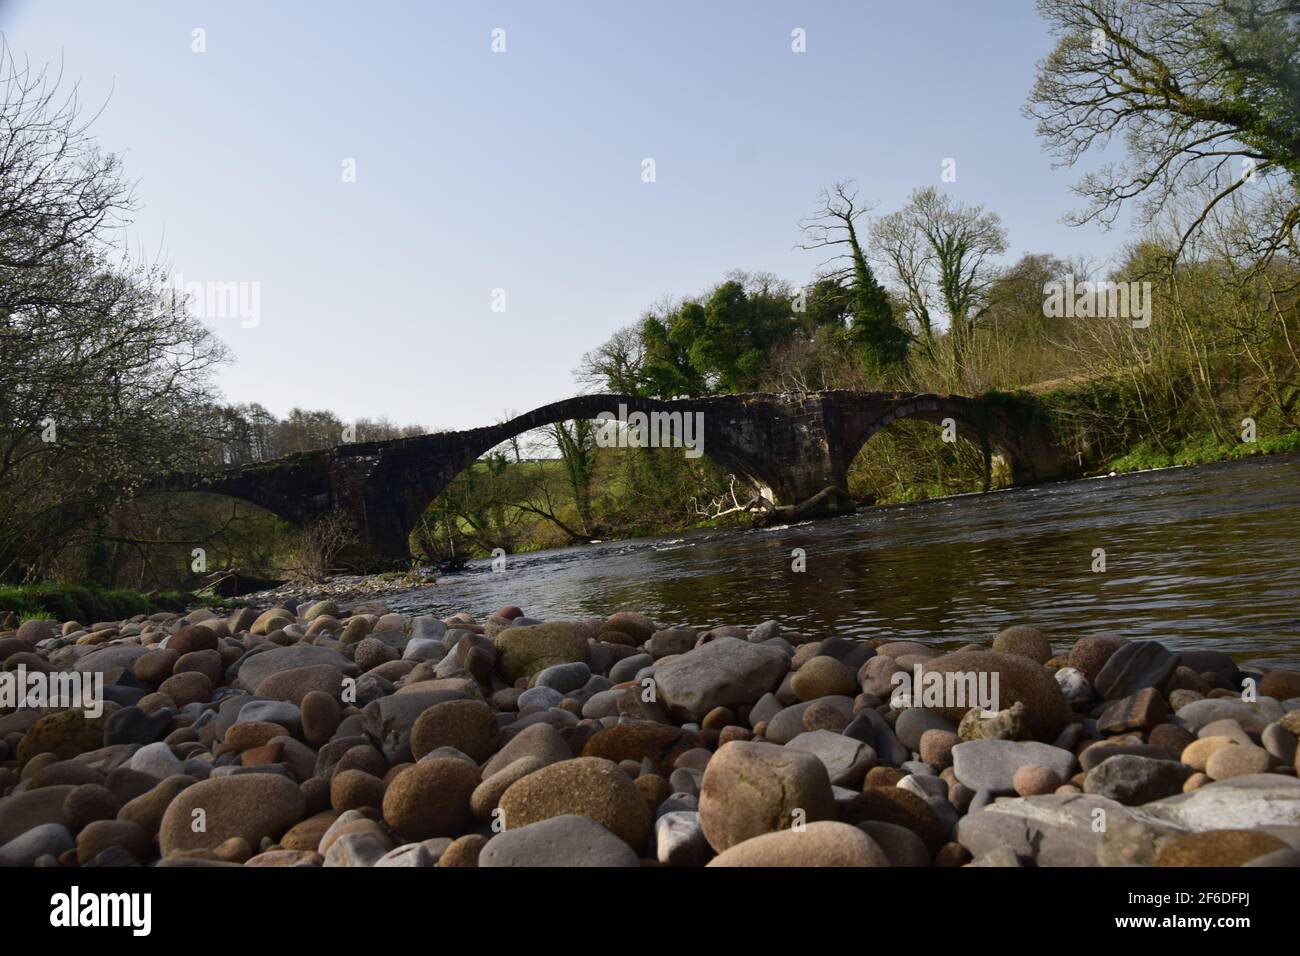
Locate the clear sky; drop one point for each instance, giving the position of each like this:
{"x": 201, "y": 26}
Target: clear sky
{"x": 522, "y": 170}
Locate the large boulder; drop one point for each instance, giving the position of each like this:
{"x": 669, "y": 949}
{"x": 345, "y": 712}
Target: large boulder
{"x": 528, "y": 649}
{"x": 255, "y": 668}
{"x": 468, "y": 725}
{"x": 586, "y": 786}
{"x": 726, "y": 672}
{"x": 251, "y": 806}
{"x": 431, "y": 799}
{"x": 1018, "y": 680}
{"x": 825, "y": 843}
{"x": 1245, "y": 803}
{"x": 1023, "y": 641}
{"x": 1052, "y": 830}
{"x": 751, "y": 788}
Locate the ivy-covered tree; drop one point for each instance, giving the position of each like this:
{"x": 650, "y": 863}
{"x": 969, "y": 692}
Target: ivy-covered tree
{"x": 878, "y": 339}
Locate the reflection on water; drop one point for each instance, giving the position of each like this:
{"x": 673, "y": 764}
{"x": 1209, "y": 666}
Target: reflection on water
{"x": 1196, "y": 557}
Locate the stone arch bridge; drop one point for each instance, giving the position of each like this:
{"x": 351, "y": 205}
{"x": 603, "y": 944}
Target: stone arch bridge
{"x": 789, "y": 447}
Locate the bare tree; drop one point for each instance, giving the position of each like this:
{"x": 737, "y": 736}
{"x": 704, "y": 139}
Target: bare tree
{"x": 834, "y": 226}
{"x": 942, "y": 253}
{"x": 1205, "y": 93}
{"x": 616, "y": 365}
{"x": 101, "y": 374}
{"x": 318, "y": 544}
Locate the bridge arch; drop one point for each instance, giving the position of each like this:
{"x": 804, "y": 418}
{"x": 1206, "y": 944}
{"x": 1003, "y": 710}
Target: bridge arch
{"x": 409, "y": 473}
{"x": 986, "y": 426}
{"x": 792, "y": 448}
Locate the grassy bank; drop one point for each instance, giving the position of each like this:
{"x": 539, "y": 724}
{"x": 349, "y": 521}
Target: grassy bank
{"x": 87, "y": 603}
{"x": 1201, "y": 450}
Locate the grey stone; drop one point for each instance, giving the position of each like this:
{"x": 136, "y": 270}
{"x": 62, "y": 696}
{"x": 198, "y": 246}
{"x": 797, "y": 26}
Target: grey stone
{"x": 47, "y": 839}
{"x": 1214, "y": 662}
{"x": 677, "y": 802}
{"x": 1238, "y": 803}
{"x": 407, "y": 855}
{"x": 679, "y": 839}
{"x": 768, "y": 706}
{"x": 629, "y": 667}
{"x": 998, "y": 856}
{"x": 1051, "y": 830}
{"x": 362, "y": 848}
{"x": 540, "y": 697}
{"x": 727, "y": 672}
{"x": 788, "y": 723}
{"x": 871, "y": 728}
{"x": 852, "y": 654}
{"x": 924, "y": 785}
{"x": 563, "y": 677}
{"x": 559, "y": 841}
{"x": 1133, "y": 780}
{"x": 1252, "y": 716}
{"x": 281, "y": 712}
{"x": 424, "y": 649}
{"x": 1095, "y": 754}
{"x": 914, "y": 721}
{"x": 157, "y": 760}
{"x": 257, "y": 667}
{"x": 131, "y": 725}
{"x": 1135, "y": 665}
{"x": 944, "y": 812}
{"x": 110, "y": 657}
{"x": 992, "y": 764}
{"x": 686, "y": 780}
{"x": 846, "y": 760}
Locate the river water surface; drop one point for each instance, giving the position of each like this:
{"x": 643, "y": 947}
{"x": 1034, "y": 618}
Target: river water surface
{"x": 1203, "y": 557}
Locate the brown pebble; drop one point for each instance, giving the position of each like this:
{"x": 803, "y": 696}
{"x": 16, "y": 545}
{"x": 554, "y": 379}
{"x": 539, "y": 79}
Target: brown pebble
{"x": 354, "y": 789}
{"x": 463, "y": 851}
{"x": 1031, "y": 780}
{"x": 883, "y": 777}
{"x": 952, "y": 854}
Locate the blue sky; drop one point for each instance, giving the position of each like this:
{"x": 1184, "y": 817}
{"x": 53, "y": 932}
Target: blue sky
{"x": 521, "y": 170}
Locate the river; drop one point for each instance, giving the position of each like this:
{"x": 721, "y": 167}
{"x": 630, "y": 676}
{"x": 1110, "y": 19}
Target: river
{"x": 1202, "y": 557}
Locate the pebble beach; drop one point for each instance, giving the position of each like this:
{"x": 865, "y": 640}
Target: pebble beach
{"x": 312, "y": 735}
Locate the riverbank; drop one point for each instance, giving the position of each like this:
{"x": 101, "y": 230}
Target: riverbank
{"x": 313, "y": 736}
{"x": 1200, "y": 450}
{"x": 87, "y": 602}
